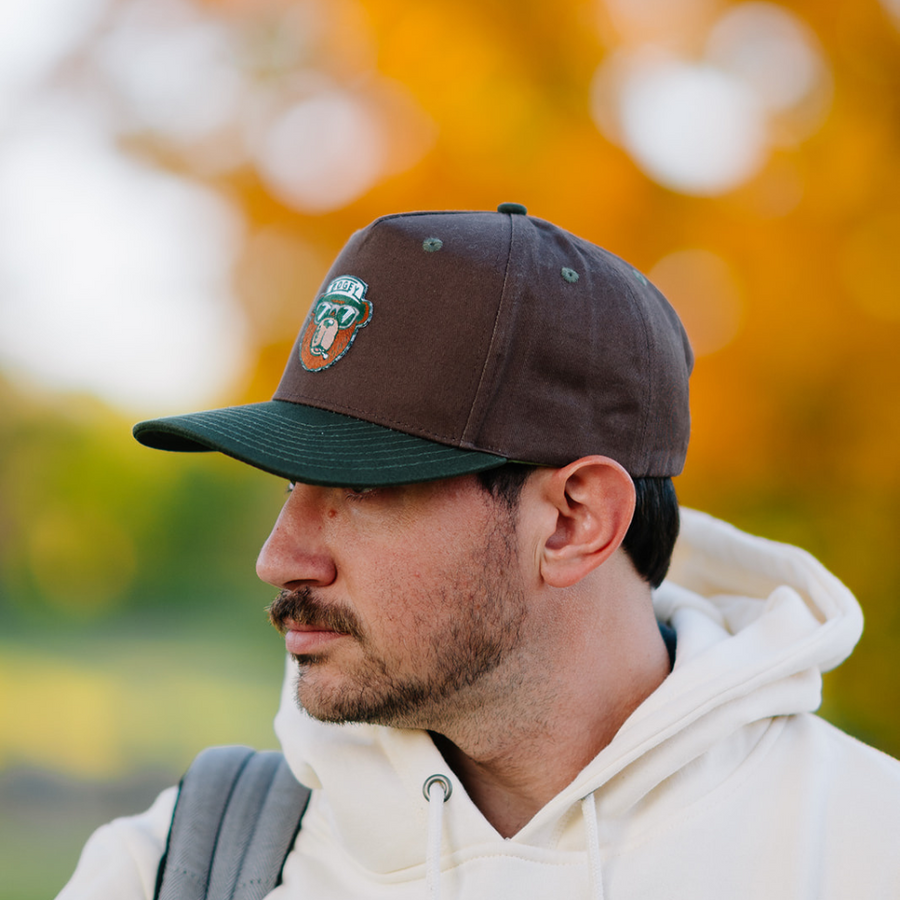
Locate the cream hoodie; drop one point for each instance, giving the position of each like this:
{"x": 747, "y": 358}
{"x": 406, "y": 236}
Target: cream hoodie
{"x": 720, "y": 785}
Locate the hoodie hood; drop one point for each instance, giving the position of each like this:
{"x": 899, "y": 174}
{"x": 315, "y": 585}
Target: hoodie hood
{"x": 757, "y": 623}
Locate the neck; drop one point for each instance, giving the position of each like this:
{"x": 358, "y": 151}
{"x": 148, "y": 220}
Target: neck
{"x": 514, "y": 758}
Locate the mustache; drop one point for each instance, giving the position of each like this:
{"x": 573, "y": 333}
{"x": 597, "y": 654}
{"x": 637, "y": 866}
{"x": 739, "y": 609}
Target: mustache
{"x": 302, "y": 607}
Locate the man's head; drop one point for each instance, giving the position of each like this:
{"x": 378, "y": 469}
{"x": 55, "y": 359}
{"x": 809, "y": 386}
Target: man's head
{"x": 451, "y": 362}
{"x": 433, "y": 605}
{"x": 401, "y": 604}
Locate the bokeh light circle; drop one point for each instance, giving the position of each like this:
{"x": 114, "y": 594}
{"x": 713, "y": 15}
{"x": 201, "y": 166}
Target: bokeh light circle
{"x": 691, "y": 127}
{"x": 322, "y": 153}
{"x": 771, "y": 50}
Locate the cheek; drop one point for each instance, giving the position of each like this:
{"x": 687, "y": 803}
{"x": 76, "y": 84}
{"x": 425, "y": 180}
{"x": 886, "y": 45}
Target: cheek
{"x": 408, "y": 573}
{"x": 402, "y": 598}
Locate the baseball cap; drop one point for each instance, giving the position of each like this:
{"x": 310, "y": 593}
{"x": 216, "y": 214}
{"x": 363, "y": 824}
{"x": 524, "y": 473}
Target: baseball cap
{"x": 444, "y": 343}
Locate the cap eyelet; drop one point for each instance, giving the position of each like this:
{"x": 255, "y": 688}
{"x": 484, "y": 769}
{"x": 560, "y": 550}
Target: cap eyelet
{"x": 443, "y": 781}
{"x": 432, "y": 244}
{"x": 570, "y": 275}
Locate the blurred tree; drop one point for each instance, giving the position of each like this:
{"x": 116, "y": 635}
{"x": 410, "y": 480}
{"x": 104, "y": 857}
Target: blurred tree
{"x": 93, "y": 527}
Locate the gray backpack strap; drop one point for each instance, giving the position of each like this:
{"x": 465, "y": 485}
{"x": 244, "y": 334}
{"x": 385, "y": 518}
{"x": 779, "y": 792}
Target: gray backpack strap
{"x": 236, "y": 818}
{"x": 259, "y": 829}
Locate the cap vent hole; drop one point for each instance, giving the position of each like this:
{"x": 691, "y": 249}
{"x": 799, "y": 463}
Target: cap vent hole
{"x": 432, "y": 244}
{"x": 570, "y": 275}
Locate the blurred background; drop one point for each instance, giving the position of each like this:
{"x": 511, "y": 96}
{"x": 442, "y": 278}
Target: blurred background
{"x": 175, "y": 178}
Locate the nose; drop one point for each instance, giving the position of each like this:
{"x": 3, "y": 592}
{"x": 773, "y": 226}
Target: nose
{"x": 295, "y": 553}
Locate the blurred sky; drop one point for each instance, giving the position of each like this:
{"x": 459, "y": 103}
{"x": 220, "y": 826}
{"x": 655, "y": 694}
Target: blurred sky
{"x": 109, "y": 265}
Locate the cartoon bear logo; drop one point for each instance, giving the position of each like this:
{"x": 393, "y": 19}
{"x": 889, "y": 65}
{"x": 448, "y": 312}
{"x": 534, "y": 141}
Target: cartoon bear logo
{"x": 333, "y": 322}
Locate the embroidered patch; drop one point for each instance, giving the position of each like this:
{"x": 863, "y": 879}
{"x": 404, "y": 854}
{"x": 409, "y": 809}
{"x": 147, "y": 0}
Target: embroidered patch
{"x": 333, "y": 321}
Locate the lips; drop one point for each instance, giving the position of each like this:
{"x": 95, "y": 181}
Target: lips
{"x": 302, "y": 640}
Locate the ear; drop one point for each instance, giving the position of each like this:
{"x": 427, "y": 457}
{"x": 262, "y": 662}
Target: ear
{"x": 592, "y": 501}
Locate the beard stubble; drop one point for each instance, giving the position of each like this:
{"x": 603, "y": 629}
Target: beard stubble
{"x": 483, "y": 594}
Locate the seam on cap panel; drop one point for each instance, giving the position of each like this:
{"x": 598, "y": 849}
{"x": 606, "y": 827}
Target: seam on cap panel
{"x": 488, "y": 357}
{"x": 645, "y": 461}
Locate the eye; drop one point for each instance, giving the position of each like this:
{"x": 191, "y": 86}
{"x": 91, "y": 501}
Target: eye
{"x": 358, "y": 491}
{"x": 290, "y": 488}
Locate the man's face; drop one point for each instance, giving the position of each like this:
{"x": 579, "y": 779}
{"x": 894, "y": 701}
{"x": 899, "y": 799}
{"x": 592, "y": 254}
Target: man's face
{"x": 403, "y": 606}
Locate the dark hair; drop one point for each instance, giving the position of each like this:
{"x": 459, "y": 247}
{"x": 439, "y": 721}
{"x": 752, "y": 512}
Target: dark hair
{"x": 651, "y": 536}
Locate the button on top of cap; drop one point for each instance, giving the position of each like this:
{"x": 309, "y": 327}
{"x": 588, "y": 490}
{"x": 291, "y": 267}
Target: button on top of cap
{"x": 514, "y": 209}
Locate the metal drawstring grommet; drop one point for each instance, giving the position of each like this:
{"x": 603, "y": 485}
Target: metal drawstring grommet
{"x": 443, "y": 781}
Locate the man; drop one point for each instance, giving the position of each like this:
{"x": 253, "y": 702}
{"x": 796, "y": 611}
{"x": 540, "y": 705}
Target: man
{"x": 489, "y": 690}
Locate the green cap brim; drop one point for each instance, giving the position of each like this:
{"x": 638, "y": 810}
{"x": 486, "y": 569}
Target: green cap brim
{"x": 313, "y": 446}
